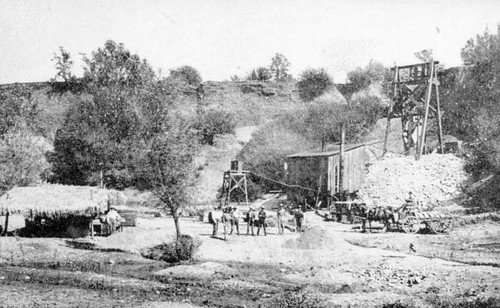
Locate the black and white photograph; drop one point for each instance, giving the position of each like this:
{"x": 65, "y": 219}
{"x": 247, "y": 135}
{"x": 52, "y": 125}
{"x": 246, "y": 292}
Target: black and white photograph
{"x": 250, "y": 153}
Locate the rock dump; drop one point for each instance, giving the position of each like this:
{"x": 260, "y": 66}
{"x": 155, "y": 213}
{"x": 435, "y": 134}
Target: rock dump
{"x": 316, "y": 237}
{"x": 433, "y": 180}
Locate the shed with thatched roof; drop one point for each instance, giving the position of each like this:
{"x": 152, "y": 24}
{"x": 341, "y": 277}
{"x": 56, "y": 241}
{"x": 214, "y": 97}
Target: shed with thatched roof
{"x": 59, "y": 202}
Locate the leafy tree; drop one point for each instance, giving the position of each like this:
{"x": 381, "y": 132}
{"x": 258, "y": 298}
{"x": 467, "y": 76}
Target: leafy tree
{"x": 471, "y": 111}
{"x": 323, "y": 119}
{"x": 266, "y": 152}
{"x": 361, "y": 78}
{"x": 279, "y": 67}
{"x": 187, "y": 74}
{"x": 22, "y": 158}
{"x": 116, "y": 65}
{"x": 64, "y": 64}
{"x": 130, "y": 128}
{"x": 215, "y": 122}
{"x": 313, "y": 83}
{"x": 168, "y": 167}
{"x": 17, "y": 105}
{"x": 425, "y": 55}
{"x": 260, "y": 74}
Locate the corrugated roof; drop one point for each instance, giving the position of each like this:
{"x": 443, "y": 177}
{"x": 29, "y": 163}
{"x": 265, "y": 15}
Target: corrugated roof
{"x": 332, "y": 149}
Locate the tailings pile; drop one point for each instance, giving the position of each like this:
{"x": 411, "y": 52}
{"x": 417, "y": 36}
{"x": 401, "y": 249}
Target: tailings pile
{"x": 433, "y": 180}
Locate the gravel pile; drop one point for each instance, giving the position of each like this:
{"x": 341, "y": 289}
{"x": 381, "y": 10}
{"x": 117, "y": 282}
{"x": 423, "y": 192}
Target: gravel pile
{"x": 316, "y": 237}
{"x": 433, "y": 179}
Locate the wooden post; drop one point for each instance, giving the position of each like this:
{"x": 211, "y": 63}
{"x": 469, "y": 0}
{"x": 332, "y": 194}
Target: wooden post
{"x": 246, "y": 190}
{"x": 389, "y": 112}
{"x": 341, "y": 160}
{"x": 438, "y": 115}
{"x": 6, "y": 223}
{"x": 421, "y": 142}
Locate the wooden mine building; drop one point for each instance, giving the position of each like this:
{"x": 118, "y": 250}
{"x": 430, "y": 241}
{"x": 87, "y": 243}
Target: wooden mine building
{"x": 320, "y": 171}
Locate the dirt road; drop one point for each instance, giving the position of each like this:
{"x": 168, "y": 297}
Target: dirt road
{"x": 330, "y": 263}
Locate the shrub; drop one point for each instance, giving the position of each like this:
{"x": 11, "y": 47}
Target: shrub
{"x": 266, "y": 153}
{"x": 215, "y": 122}
{"x": 298, "y": 299}
{"x": 187, "y": 74}
{"x": 361, "y": 78}
{"x": 399, "y": 304}
{"x": 260, "y": 74}
{"x": 171, "y": 252}
{"x": 313, "y": 83}
{"x": 463, "y": 302}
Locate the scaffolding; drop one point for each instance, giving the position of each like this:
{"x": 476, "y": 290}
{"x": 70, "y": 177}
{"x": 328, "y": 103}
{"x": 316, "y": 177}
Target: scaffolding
{"x": 416, "y": 100}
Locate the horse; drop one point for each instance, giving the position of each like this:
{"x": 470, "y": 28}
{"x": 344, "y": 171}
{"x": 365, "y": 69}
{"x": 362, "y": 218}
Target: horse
{"x": 381, "y": 214}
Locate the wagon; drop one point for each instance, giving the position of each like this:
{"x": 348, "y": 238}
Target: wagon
{"x": 435, "y": 222}
{"x": 405, "y": 218}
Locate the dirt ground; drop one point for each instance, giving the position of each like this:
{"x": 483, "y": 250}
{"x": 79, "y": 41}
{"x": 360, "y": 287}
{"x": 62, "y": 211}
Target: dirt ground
{"x": 329, "y": 265}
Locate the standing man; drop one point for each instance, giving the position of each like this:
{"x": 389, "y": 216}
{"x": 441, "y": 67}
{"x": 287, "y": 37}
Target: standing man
{"x": 215, "y": 218}
{"x": 262, "y": 220}
{"x": 226, "y": 220}
{"x": 299, "y": 217}
{"x": 235, "y": 220}
{"x": 280, "y": 216}
{"x": 113, "y": 219}
{"x": 250, "y": 219}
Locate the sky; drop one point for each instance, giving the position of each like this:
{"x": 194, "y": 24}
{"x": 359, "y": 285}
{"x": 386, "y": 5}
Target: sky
{"x": 222, "y": 38}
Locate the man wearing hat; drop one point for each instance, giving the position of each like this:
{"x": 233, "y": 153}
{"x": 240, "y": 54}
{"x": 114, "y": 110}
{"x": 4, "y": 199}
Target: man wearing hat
{"x": 250, "y": 219}
{"x": 262, "y": 220}
{"x": 235, "y": 220}
{"x": 280, "y": 216}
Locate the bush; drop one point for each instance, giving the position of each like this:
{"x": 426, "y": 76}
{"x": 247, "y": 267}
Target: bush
{"x": 361, "y": 78}
{"x": 215, "y": 122}
{"x": 260, "y": 74}
{"x": 313, "y": 83}
{"x": 298, "y": 299}
{"x": 266, "y": 153}
{"x": 170, "y": 252}
{"x": 187, "y": 74}
{"x": 461, "y": 302}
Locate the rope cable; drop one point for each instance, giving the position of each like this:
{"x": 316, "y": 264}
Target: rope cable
{"x": 281, "y": 183}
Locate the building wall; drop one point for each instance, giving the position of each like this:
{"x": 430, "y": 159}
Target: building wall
{"x": 354, "y": 170}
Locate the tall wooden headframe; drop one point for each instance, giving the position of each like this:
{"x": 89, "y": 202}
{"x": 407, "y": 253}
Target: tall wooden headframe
{"x": 234, "y": 180}
{"x": 416, "y": 100}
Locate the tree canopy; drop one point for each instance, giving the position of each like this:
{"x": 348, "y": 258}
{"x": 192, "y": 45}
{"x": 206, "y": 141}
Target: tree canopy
{"x": 313, "y": 83}
{"x": 187, "y": 74}
{"x": 361, "y": 78}
{"x": 129, "y": 128}
{"x": 279, "y": 67}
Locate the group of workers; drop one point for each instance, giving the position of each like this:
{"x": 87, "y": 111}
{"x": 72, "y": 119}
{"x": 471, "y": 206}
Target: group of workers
{"x": 230, "y": 218}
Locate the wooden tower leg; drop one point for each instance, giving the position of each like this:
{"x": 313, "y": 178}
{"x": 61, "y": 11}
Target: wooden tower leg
{"x": 389, "y": 112}
{"x": 246, "y": 190}
{"x": 421, "y": 142}
{"x": 438, "y": 115}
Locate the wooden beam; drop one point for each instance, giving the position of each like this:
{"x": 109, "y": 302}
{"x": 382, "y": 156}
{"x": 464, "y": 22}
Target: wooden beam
{"x": 421, "y": 142}
{"x": 440, "y": 127}
{"x": 342, "y": 158}
{"x": 389, "y": 112}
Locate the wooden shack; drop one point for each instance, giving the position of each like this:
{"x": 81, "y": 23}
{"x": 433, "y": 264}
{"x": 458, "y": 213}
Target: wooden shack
{"x": 58, "y": 210}
{"x": 321, "y": 169}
